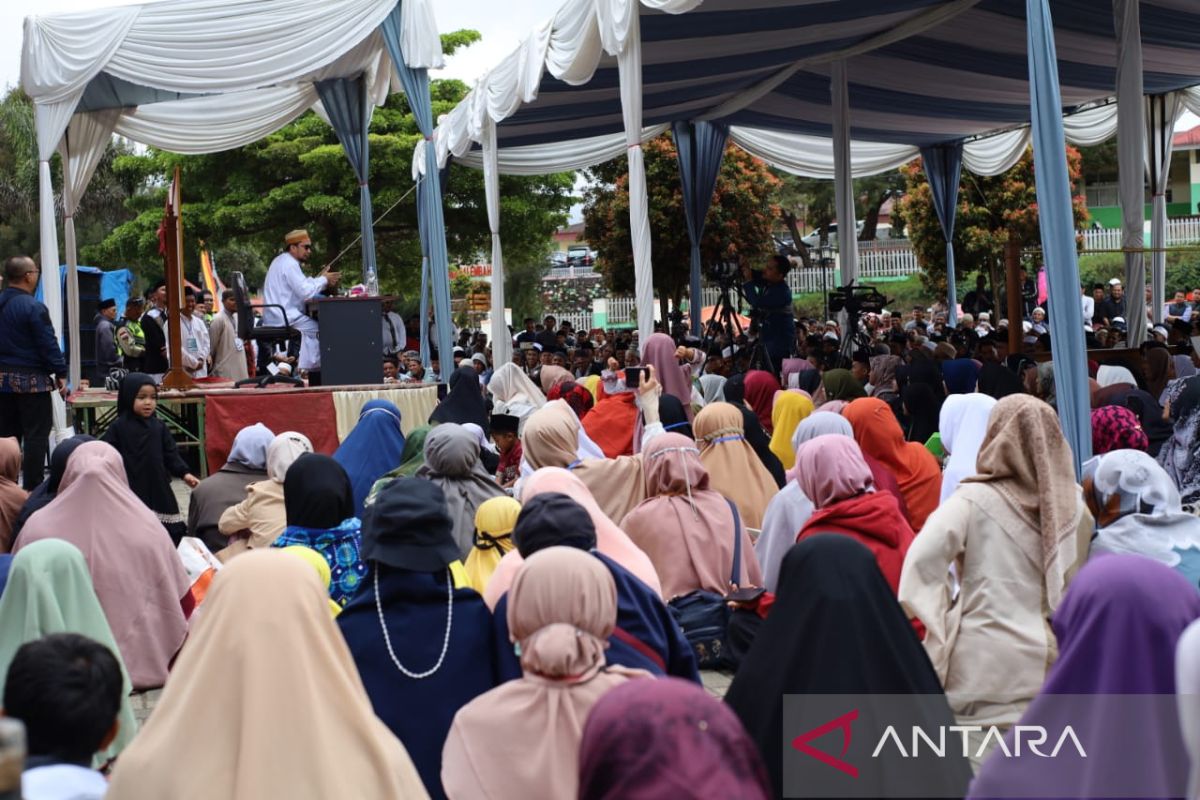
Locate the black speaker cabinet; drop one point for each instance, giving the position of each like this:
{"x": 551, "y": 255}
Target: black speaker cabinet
{"x": 351, "y": 340}
{"x": 89, "y": 301}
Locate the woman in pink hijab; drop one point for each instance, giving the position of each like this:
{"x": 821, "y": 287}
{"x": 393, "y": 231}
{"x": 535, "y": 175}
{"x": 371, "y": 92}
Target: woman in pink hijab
{"x": 521, "y": 739}
{"x": 610, "y": 540}
{"x": 685, "y": 527}
{"x": 760, "y": 394}
{"x": 676, "y": 378}
{"x": 660, "y": 352}
{"x": 136, "y": 572}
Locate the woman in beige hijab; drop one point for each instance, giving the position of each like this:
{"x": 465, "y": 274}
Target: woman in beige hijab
{"x": 1016, "y": 532}
{"x": 261, "y": 517}
{"x": 551, "y": 439}
{"x": 733, "y": 468}
{"x": 685, "y": 528}
{"x": 267, "y": 685}
{"x": 521, "y": 739}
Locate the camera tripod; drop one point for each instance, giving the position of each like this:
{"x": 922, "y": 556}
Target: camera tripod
{"x": 726, "y": 320}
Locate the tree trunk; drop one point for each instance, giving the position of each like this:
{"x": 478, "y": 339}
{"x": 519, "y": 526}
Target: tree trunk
{"x": 1012, "y": 291}
{"x": 789, "y": 219}
{"x": 664, "y": 308}
{"x": 871, "y": 218}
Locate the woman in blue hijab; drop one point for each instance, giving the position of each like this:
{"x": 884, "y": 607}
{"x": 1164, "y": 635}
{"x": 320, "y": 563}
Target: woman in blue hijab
{"x": 371, "y": 449}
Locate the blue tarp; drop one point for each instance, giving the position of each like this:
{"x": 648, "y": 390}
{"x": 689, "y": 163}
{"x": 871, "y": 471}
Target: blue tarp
{"x": 116, "y": 283}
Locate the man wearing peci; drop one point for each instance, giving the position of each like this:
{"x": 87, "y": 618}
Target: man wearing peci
{"x": 287, "y": 286}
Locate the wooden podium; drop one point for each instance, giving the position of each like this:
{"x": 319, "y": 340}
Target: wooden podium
{"x": 351, "y": 339}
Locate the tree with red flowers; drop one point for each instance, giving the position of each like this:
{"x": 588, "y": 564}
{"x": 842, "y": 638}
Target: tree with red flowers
{"x": 739, "y": 223}
{"x": 992, "y": 212}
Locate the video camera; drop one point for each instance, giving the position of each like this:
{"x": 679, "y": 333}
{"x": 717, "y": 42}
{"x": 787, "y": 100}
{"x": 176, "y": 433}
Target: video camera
{"x": 724, "y": 273}
{"x": 857, "y": 300}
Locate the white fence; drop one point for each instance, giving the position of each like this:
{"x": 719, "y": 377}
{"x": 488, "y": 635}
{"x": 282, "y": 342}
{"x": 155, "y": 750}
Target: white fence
{"x": 891, "y": 261}
{"x": 1181, "y": 230}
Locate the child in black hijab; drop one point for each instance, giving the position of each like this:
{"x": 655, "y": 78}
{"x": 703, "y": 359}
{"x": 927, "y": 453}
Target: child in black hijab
{"x": 149, "y": 452}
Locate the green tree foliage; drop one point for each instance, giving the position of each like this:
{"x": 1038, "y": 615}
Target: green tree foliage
{"x": 739, "y": 221}
{"x": 102, "y": 207}
{"x": 991, "y": 211}
{"x": 242, "y": 201}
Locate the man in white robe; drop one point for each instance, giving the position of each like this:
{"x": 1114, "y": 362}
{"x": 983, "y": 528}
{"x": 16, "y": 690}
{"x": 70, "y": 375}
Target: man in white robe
{"x": 287, "y": 286}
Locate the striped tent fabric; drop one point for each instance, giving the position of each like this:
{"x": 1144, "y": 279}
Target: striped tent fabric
{"x": 920, "y": 73}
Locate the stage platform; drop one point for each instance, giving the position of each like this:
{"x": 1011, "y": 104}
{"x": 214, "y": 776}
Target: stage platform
{"x": 204, "y": 420}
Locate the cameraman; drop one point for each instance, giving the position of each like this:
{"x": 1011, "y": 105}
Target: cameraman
{"x": 769, "y": 296}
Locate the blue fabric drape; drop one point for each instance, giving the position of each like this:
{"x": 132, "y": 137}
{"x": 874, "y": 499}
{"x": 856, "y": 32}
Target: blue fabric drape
{"x": 1058, "y": 233}
{"x": 429, "y": 191}
{"x": 700, "y": 148}
{"x": 943, "y": 167}
{"x": 349, "y": 110}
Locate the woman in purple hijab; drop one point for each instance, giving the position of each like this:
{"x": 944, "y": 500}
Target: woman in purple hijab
{"x": 1117, "y": 628}
{"x": 667, "y": 738}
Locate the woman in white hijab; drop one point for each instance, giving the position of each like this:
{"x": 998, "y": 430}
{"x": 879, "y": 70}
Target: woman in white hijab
{"x": 515, "y": 394}
{"x": 963, "y": 424}
{"x": 258, "y": 520}
{"x": 1138, "y": 511}
{"x": 712, "y": 388}
{"x": 790, "y": 508}
{"x": 1109, "y": 375}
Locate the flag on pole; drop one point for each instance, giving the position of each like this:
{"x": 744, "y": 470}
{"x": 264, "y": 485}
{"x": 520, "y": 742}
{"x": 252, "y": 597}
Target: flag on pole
{"x": 208, "y": 273}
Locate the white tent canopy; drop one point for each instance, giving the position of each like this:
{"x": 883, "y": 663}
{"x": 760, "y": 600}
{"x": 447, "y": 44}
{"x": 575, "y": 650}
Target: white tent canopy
{"x": 763, "y": 67}
{"x": 194, "y": 76}
{"x": 881, "y": 78}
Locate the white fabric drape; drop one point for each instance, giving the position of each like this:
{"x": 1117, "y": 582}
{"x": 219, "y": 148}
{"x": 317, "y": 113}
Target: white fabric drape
{"x": 185, "y": 46}
{"x": 82, "y": 146}
{"x": 629, "y": 66}
{"x": 992, "y": 155}
{"x": 843, "y": 182}
{"x": 542, "y": 159}
{"x": 501, "y": 338}
{"x": 51, "y": 285}
{"x": 1161, "y": 113}
{"x": 1131, "y": 155}
{"x": 219, "y": 122}
{"x": 812, "y": 156}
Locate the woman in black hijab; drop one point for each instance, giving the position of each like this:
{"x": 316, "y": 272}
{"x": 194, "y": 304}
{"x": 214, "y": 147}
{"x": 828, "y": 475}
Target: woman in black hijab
{"x": 319, "y": 501}
{"x": 317, "y": 492}
{"x": 922, "y": 408}
{"x": 673, "y": 416}
{"x": 836, "y": 628}
{"x": 47, "y": 490}
{"x": 756, "y": 437}
{"x": 997, "y": 380}
{"x": 465, "y": 402}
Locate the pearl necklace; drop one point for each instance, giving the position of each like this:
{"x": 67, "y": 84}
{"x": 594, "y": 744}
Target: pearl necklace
{"x": 387, "y": 640}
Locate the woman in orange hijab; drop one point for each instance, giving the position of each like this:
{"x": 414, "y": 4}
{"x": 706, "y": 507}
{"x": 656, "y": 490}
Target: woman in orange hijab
{"x": 879, "y": 435}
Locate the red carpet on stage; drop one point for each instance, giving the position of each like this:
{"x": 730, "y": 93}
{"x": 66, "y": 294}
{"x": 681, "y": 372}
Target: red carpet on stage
{"x": 310, "y": 413}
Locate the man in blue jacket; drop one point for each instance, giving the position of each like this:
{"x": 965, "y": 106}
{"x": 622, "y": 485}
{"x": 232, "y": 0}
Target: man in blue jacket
{"x": 31, "y": 366}
{"x": 768, "y": 293}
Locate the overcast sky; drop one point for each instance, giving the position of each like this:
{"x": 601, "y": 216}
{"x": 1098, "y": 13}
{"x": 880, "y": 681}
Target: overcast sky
{"x": 503, "y": 24}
